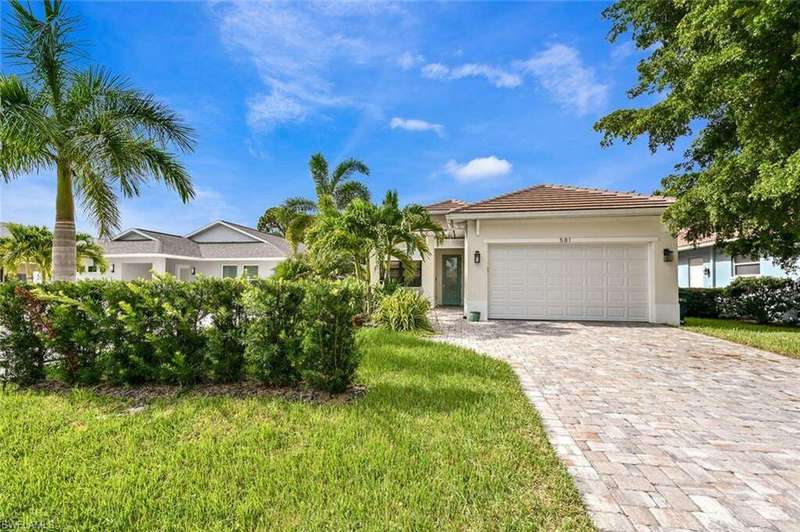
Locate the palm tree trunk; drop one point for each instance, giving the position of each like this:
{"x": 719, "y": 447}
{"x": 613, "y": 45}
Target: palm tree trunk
{"x": 64, "y": 254}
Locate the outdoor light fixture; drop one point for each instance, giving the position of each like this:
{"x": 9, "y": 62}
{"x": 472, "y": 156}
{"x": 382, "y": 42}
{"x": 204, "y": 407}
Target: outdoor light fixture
{"x": 707, "y": 272}
{"x": 113, "y": 267}
{"x": 194, "y": 271}
{"x": 668, "y": 253}
{"x": 477, "y": 257}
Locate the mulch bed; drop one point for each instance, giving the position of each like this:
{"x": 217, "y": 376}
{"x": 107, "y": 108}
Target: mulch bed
{"x": 146, "y": 393}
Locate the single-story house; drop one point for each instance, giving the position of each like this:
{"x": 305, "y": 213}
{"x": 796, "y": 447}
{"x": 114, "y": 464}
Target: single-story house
{"x": 555, "y": 252}
{"x": 702, "y": 264}
{"x": 220, "y": 249}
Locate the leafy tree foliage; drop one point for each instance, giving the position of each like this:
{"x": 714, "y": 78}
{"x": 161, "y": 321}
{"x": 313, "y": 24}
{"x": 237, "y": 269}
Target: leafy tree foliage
{"x": 100, "y": 134}
{"x": 338, "y": 184}
{"x": 31, "y": 247}
{"x": 728, "y": 73}
{"x": 289, "y": 219}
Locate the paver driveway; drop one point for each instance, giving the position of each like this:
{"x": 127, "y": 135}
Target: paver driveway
{"x": 661, "y": 428}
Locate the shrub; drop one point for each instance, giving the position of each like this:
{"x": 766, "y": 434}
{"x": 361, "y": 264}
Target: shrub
{"x": 762, "y": 299}
{"x": 22, "y": 352}
{"x": 404, "y": 310}
{"x": 328, "y": 357}
{"x": 702, "y": 302}
{"x": 293, "y": 269}
{"x": 168, "y": 331}
{"x": 272, "y": 335}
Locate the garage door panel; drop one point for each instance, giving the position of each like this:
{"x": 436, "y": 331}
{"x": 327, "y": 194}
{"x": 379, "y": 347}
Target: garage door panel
{"x": 580, "y": 282}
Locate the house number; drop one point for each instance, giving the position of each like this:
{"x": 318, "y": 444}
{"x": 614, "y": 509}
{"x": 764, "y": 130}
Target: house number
{"x": 565, "y": 239}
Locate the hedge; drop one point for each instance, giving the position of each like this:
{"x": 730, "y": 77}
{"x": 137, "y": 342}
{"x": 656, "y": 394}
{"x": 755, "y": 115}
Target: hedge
{"x": 760, "y": 299}
{"x": 170, "y": 332}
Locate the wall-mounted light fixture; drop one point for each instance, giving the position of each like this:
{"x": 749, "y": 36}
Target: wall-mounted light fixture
{"x": 668, "y": 255}
{"x": 194, "y": 270}
{"x": 707, "y": 272}
{"x": 477, "y": 257}
{"x": 113, "y": 267}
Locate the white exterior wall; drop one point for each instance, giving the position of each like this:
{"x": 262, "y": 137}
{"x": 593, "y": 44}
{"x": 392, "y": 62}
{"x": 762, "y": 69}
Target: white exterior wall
{"x": 208, "y": 268}
{"x": 645, "y": 229}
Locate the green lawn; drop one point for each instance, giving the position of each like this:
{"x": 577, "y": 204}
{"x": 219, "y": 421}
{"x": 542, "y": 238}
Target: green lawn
{"x": 443, "y": 439}
{"x": 778, "y": 339}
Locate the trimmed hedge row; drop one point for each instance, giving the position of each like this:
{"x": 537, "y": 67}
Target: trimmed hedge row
{"x": 760, "y": 299}
{"x": 167, "y": 331}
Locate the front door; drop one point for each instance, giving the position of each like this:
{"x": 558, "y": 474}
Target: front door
{"x": 696, "y": 272}
{"x": 451, "y": 280}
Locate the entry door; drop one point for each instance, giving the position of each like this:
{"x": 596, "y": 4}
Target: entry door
{"x": 696, "y": 274}
{"x": 569, "y": 282}
{"x": 451, "y": 280}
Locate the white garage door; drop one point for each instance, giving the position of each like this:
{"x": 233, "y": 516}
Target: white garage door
{"x": 568, "y": 282}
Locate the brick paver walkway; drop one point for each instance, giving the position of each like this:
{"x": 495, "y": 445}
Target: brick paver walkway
{"x": 662, "y": 429}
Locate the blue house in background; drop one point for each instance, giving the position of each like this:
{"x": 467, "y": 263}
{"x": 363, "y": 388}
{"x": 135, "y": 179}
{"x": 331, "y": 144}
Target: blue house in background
{"x": 703, "y": 265}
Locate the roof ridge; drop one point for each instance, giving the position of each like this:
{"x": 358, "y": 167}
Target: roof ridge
{"x": 604, "y": 190}
{"x": 156, "y": 232}
{"x": 498, "y": 197}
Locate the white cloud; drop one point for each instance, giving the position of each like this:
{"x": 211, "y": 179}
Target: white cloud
{"x": 560, "y": 70}
{"x": 435, "y": 71}
{"x": 478, "y": 169}
{"x": 623, "y": 50}
{"x": 413, "y": 124}
{"x": 407, "y": 60}
{"x": 295, "y": 49}
{"x": 496, "y": 76}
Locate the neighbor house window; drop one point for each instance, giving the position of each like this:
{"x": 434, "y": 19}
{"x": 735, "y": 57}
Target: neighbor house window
{"x": 230, "y": 271}
{"x": 250, "y": 271}
{"x": 398, "y": 273}
{"x": 746, "y": 265}
{"x": 92, "y": 268}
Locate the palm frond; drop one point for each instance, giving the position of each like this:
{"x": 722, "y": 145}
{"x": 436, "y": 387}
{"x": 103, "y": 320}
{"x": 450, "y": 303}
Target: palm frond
{"x": 345, "y": 170}
{"x": 25, "y": 130}
{"x": 300, "y": 205}
{"x": 345, "y": 193}
{"x": 87, "y": 248}
{"x": 98, "y": 200}
{"x": 319, "y": 173}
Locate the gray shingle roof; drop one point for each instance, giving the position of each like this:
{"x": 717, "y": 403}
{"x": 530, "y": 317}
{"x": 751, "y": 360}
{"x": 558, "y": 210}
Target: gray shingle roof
{"x": 169, "y": 244}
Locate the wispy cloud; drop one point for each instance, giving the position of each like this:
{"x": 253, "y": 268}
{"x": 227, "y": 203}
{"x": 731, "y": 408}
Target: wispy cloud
{"x": 407, "y": 60}
{"x": 413, "y": 124}
{"x": 295, "y": 48}
{"x": 478, "y": 169}
{"x": 560, "y": 70}
{"x": 496, "y": 76}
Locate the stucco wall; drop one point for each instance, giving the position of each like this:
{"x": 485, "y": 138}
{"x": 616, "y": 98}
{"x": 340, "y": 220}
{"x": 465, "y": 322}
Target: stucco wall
{"x": 207, "y": 268}
{"x": 720, "y": 267}
{"x": 664, "y": 308}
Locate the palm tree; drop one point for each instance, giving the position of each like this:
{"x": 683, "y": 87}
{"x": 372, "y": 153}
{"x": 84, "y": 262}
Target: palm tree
{"x": 290, "y": 219}
{"x": 98, "y": 133}
{"x": 30, "y": 247}
{"x": 338, "y": 184}
{"x": 401, "y": 233}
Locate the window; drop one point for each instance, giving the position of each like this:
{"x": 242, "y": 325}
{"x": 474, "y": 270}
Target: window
{"x": 230, "y": 271}
{"x": 92, "y": 268}
{"x": 251, "y": 272}
{"x": 746, "y": 265}
{"x": 398, "y": 273}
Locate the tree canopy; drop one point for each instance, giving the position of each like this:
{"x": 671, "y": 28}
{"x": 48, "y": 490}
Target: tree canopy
{"x": 726, "y": 73}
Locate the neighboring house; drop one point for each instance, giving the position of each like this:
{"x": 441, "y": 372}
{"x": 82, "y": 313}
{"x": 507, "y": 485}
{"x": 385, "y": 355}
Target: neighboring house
{"x": 220, "y": 249}
{"x": 702, "y": 264}
{"x": 556, "y": 253}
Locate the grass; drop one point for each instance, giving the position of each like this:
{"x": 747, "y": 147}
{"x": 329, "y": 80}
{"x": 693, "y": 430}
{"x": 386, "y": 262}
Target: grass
{"x": 444, "y": 439}
{"x": 784, "y": 340}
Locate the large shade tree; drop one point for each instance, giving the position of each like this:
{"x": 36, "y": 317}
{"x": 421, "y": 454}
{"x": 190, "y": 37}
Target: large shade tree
{"x": 101, "y": 136}
{"x": 728, "y": 74}
{"x": 29, "y": 248}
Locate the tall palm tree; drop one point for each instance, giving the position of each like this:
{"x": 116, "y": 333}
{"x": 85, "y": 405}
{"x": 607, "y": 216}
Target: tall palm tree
{"x": 338, "y": 184}
{"x": 29, "y": 248}
{"x": 98, "y": 133}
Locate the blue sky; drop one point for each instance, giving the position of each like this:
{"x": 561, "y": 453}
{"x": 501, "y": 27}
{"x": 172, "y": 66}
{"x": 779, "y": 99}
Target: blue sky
{"x": 441, "y": 100}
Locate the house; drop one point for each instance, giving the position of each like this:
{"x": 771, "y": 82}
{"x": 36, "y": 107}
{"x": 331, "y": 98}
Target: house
{"x": 703, "y": 264}
{"x": 556, "y": 253}
{"x": 220, "y": 249}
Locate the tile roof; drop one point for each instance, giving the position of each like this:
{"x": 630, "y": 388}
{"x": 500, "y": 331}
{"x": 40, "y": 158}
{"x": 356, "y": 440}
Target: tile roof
{"x": 563, "y": 198}
{"x": 446, "y": 205}
{"x": 684, "y": 243}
